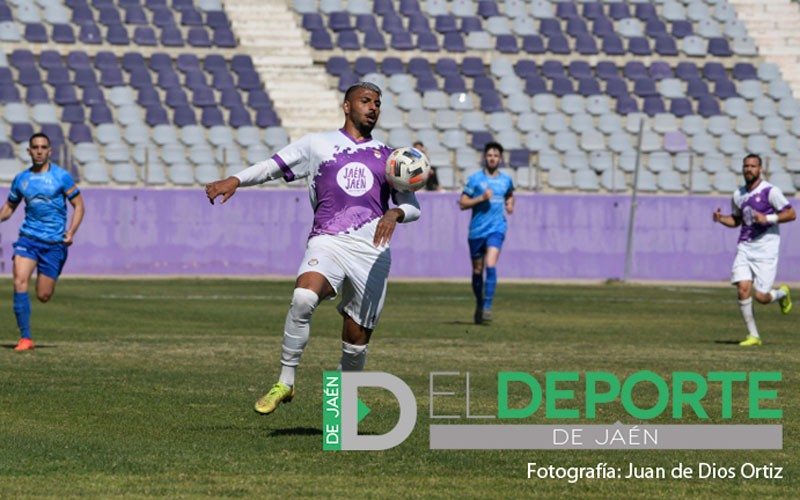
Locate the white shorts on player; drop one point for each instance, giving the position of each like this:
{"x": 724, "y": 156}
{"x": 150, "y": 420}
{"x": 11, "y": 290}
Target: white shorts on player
{"x": 356, "y": 269}
{"x": 756, "y": 261}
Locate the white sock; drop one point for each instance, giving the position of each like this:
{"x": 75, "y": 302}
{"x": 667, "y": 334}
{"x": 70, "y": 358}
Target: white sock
{"x": 746, "y": 308}
{"x": 296, "y": 331}
{"x": 354, "y": 357}
{"x": 776, "y": 294}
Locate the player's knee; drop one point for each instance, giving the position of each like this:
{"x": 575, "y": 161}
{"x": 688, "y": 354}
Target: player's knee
{"x": 44, "y": 296}
{"x": 304, "y": 301}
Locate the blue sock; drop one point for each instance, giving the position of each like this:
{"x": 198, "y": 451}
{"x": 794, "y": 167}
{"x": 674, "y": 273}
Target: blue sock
{"x": 477, "y": 287}
{"x": 491, "y": 284}
{"x": 22, "y": 309}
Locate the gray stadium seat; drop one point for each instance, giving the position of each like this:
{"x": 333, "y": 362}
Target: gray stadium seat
{"x": 659, "y": 161}
{"x": 95, "y": 172}
{"x": 220, "y": 135}
{"x": 527, "y": 122}
{"x": 193, "y": 134}
{"x": 560, "y": 178}
{"x": 613, "y": 180}
{"x": 586, "y": 180}
{"x": 207, "y": 172}
{"x": 609, "y": 123}
{"x": 181, "y": 174}
{"x": 725, "y": 182}
{"x": 124, "y": 173}
{"x": 164, "y": 134}
{"x": 699, "y": 182}
{"x": 107, "y": 133}
{"x": 256, "y": 153}
{"x": 598, "y": 105}
{"x": 600, "y": 161}
{"x": 581, "y": 123}
{"x": 670, "y": 181}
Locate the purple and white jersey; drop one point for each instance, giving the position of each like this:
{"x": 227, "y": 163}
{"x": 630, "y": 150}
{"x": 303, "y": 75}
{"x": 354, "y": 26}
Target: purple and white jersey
{"x": 347, "y": 180}
{"x": 764, "y": 198}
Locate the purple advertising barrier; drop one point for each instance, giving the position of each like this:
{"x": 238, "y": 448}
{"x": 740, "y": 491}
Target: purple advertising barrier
{"x": 264, "y": 231}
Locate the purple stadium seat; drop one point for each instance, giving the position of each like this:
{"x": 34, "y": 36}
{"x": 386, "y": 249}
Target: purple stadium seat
{"x": 533, "y": 44}
{"x": 51, "y": 59}
{"x": 364, "y": 65}
{"x": 472, "y": 66}
{"x": 576, "y": 27}
{"x": 321, "y": 40}
{"x": 20, "y": 58}
{"x": 534, "y": 84}
{"x": 36, "y": 33}
{"x": 21, "y": 132}
{"x": 487, "y": 8}
{"x": 29, "y": 75}
{"x": 579, "y": 69}
{"x": 695, "y": 87}
{"x": 445, "y": 23}
{"x": 401, "y": 41}
{"x": 109, "y": 16}
{"x": 724, "y": 89}
{"x": 419, "y": 66}
{"x": 660, "y": 70}
{"x": 639, "y": 46}
{"x": 266, "y": 117}
{"x": 140, "y": 77}
{"x": 525, "y": 68}
{"x": 348, "y": 40}
{"x": 708, "y": 105}
{"x": 593, "y": 10}
{"x": 93, "y": 95}
{"x": 78, "y": 59}
{"x": 222, "y": 80}
{"x": 117, "y": 35}
{"x": 626, "y": 104}
{"x": 586, "y": 45}
{"x": 382, "y": 7}
{"x": 160, "y": 61}
{"x": 366, "y": 22}
{"x": 665, "y": 46}
{"x": 392, "y": 23}
{"x": 58, "y": 75}
{"x": 418, "y": 23}
{"x": 373, "y": 40}
{"x": 79, "y": 133}
{"x": 248, "y": 80}
{"x": 567, "y": 10}
{"x": 652, "y": 105}
{"x": 105, "y": 59}
{"x": 392, "y": 66}
{"x": 339, "y": 21}
{"x": 446, "y": 66}
{"x": 347, "y": 79}
{"x": 184, "y": 116}
{"x": 73, "y": 113}
{"x": 111, "y": 77}
{"x": 589, "y": 87}
{"x": 519, "y": 157}
{"x": 90, "y": 34}
{"x": 211, "y": 116}
{"x": 63, "y": 33}
{"x": 176, "y": 97}
{"x": 633, "y": 70}
{"x": 550, "y": 27}
{"x": 719, "y": 47}
{"x": 82, "y": 14}
{"x": 744, "y": 71}
{"x": 561, "y": 86}
{"x": 612, "y": 45}
{"x": 552, "y": 68}
{"x": 171, "y": 36}
{"x": 655, "y": 28}
{"x": 646, "y": 11}
{"x": 426, "y": 82}
{"x": 132, "y": 60}
{"x": 6, "y": 77}
{"x": 241, "y": 62}
{"x": 506, "y": 44}
{"x": 682, "y": 28}
{"x": 6, "y": 151}
{"x": 336, "y": 65}
{"x": 66, "y": 94}
{"x": 155, "y": 3}
{"x": 454, "y": 42}
{"x": 135, "y": 15}
{"x": 176, "y": 4}
{"x": 714, "y": 71}
{"x": 9, "y": 94}
{"x": 409, "y": 7}
{"x": 156, "y": 115}
{"x": 230, "y": 98}
{"x": 687, "y": 70}
{"x": 616, "y": 87}
{"x": 470, "y": 24}
{"x": 191, "y": 17}
{"x": 239, "y": 117}
{"x": 100, "y": 113}
{"x": 483, "y": 84}
{"x": 148, "y": 96}
{"x": 217, "y": 19}
{"x": 680, "y": 107}
{"x": 618, "y": 10}
{"x": 480, "y": 139}
{"x": 5, "y": 13}
{"x": 163, "y": 17}
{"x": 198, "y": 37}
{"x": 606, "y": 70}
{"x": 223, "y": 38}
{"x": 602, "y": 27}
{"x": 145, "y": 36}
{"x": 36, "y": 94}
{"x": 168, "y": 78}
{"x": 312, "y": 21}
{"x": 203, "y": 97}
{"x": 454, "y": 84}
{"x": 427, "y": 42}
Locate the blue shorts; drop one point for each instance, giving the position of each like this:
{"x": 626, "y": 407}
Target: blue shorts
{"x": 49, "y": 257}
{"x": 478, "y": 246}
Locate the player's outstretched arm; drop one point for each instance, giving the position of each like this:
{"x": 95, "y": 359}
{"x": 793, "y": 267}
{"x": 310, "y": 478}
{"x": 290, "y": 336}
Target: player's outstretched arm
{"x": 224, "y": 188}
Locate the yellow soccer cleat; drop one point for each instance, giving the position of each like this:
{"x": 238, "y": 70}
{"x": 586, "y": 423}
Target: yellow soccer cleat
{"x": 750, "y": 341}
{"x": 786, "y": 302}
{"x": 280, "y": 393}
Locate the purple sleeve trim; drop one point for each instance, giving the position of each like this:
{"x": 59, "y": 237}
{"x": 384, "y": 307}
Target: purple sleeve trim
{"x": 287, "y": 172}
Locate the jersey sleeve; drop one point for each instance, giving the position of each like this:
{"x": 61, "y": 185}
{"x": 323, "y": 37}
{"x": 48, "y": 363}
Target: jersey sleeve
{"x": 14, "y": 194}
{"x": 736, "y": 211}
{"x": 471, "y": 187}
{"x": 407, "y": 202}
{"x": 291, "y": 162}
{"x": 67, "y": 184}
{"x": 778, "y": 200}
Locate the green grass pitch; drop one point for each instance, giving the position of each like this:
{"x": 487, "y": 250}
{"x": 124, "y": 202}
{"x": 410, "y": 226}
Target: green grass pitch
{"x": 144, "y": 388}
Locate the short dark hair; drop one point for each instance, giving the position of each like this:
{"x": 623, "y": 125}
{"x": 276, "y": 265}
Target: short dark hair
{"x": 38, "y": 134}
{"x": 418, "y": 144}
{"x": 362, "y": 85}
{"x": 753, "y": 155}
{"x": 493, "y": 145}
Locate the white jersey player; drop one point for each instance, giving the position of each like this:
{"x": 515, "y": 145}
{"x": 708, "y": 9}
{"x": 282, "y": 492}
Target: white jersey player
{"x": 348, "y": 248}
{"x": 758, "y": 207}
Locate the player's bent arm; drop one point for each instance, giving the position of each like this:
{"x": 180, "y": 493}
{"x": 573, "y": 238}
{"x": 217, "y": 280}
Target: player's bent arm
{"x": 787, "y": 215}
{"x": 78, "y": 211}
{"x": 510, "y": 203}
{"x": 7, "y": 210}
{"x": 466, "y": 202}
{"x": 408, "y": 204}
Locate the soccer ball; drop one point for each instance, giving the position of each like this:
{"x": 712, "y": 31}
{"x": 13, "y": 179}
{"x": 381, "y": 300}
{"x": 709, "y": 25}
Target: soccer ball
{"x": 407, "y": 169}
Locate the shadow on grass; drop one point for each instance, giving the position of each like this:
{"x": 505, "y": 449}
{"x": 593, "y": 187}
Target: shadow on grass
{"x": 296, "y": 431}
{"x": 38, "y": 346}
{"x": 727, "y": 342}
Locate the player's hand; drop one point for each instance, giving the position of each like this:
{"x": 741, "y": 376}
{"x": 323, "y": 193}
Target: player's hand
{"x": 759, "y": 218}
{"x": 386, "y": 225}
{"x": 224, "y": 188}
{"x": 718, "y": 215}
{"x": 487, "y": 195}
{"x": 68, "y": 238}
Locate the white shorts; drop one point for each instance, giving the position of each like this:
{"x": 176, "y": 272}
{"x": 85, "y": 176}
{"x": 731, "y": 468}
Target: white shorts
{"x": 759, "y": 265}
{"x": 354, "y": 267}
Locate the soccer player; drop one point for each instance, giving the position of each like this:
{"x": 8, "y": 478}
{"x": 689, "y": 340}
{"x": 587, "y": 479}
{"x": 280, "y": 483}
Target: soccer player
{"x": 488, "y": 192}
{"x": 43, "y": 236}
{"x": 348, "y": 249}
{"x": 758, "y": 207}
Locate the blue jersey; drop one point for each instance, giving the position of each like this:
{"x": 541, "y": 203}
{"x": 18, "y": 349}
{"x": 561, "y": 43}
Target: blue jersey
{"x": 45, "y": 196}
{"x": 488, "y": 216}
